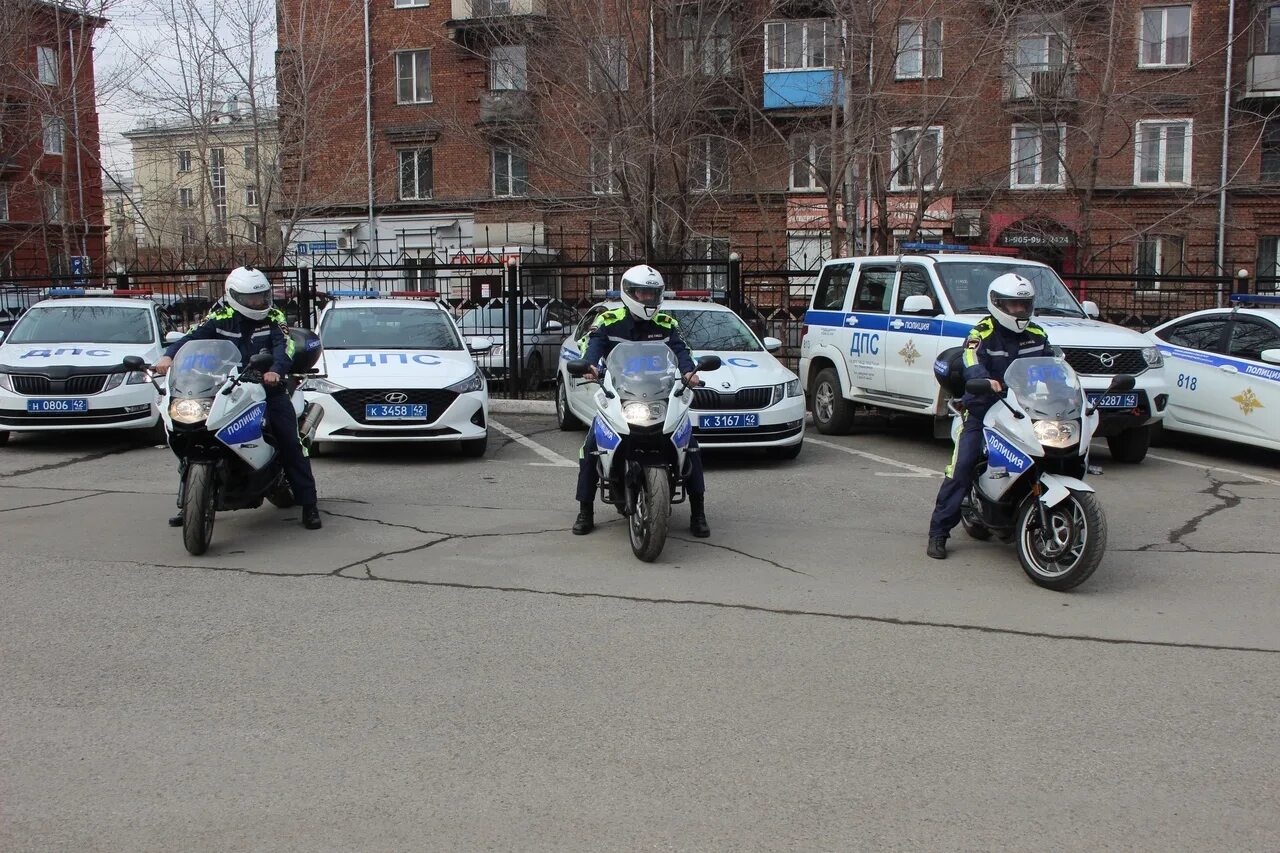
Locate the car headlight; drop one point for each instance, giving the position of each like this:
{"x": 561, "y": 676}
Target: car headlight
{"x": 1153, "y": 357}
{"x": 185, "y": 410}
{"x": 6, "y": 383}
{"x": 321, "y": 386}
{"x": 639, "y": 413}
{"x": 139, "y": 377}
{"x": 793, "y": 388}
{"x": 474, "y": 382}
{"x": 135, "y": 377}
{"x": 1057, "y": 433}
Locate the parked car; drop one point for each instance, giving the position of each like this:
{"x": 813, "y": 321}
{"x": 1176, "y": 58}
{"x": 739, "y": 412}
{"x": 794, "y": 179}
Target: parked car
{"x": 544, "y": 323}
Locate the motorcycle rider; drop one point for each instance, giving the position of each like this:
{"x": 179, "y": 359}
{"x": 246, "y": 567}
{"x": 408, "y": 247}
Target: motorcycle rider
{"x": 638, "y": 320}
{"x": 246, "y": 317}
{"x": 998, "y": 339}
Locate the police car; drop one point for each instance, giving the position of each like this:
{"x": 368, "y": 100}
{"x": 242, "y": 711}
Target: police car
{"x": 752, "y": 401}
{"x": 1223, "y": 367}
{"x": 876, "y": 325}
{"x": 397, "y": 369}
{"x": 59, "y": 364}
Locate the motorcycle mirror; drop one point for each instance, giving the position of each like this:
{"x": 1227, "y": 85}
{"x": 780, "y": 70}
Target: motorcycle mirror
{"x": 133, "y": 362}
{"x": 708, "y": 362}
{"x": 578, "y": 367}
{"x": 1121, "y": 383}
{"x": 262, "y": 361}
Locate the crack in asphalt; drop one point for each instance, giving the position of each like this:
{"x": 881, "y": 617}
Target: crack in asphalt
{"x": 749, "y": 556}
{"x": 56, "y": 503}
{"x": 65, "y": 463}
{"x": 1217, "y": 489}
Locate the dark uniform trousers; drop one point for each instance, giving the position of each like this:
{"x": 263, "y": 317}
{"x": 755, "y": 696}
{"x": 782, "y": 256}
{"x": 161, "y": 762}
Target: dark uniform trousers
{"x": 694, "y": 483}
{"x": 284, "y": 432}
{"x": 959, "y": 474}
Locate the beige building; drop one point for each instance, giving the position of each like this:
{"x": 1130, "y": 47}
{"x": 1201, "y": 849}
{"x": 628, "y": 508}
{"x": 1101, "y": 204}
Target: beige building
{"x": 121, "y": 214}
{"x": 205, "y": 187}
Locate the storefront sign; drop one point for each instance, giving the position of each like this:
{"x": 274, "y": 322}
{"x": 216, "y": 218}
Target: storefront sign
{"x": 901, "y": 212}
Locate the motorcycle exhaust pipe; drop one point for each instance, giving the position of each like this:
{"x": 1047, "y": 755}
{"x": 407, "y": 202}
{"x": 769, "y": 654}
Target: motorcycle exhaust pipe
{"x": 310, "y": 422}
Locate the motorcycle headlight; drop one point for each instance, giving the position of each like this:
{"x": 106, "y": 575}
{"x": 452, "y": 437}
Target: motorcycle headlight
{"x": 321, "y": 386}
{"x": 1153, "y": 357}
{"x": 186, "y": 410}
{"x": 474, "y": 382}
{"x": 6, "y": 383}
{"x": 1057, "y": 433}
{"x": 639, "y": 413}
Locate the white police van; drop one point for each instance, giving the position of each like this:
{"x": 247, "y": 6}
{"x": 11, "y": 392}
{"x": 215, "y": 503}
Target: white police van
{"x": 398, "y": 369}
{"x": 875, "y": 326}
{"x": 60, "y": 363}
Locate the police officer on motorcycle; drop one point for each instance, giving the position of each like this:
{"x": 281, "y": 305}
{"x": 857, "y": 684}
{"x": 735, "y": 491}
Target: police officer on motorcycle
{"x": 998, "y": 339}
{"x": 638, "y": 320}
{"x": 246, "y": 317}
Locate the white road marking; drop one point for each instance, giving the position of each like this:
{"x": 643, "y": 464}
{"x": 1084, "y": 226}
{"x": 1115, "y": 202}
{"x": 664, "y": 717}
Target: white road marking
{"x": 1202, "y": 466}
{"x": 915, "y": 470}
{"x": 553, "y": 459}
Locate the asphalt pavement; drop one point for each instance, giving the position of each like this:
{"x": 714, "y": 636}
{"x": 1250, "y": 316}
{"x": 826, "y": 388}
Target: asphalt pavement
{"x": 445, "y": 667}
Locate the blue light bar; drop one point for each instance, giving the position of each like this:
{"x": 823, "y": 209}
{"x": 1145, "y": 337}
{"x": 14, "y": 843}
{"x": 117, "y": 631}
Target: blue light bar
{"x": 613, "y": 294}
{"x": 1255, "y": 299}
{"x": 65, "y": 291}
{"x": 934, "y": 247}
{"x": 353, "y": 294}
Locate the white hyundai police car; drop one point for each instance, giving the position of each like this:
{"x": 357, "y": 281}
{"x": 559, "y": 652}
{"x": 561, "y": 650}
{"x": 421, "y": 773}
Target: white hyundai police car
{"x": 59, "y": 364}
{"x": 876, "y": 325}
{"x": 397, "y": 369}
{"x": 1223, "y": 367}
{"x": 752, "y": 401}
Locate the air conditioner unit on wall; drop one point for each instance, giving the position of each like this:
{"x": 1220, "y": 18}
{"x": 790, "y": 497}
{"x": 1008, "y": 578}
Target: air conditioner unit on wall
{"x": 967, "y": 223}
{"x": 348, "y": 243}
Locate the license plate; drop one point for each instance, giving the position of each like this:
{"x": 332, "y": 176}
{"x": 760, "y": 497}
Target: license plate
{"x": 396, "y": 412}
{"x": 43, "y": 406}
{"x": 1114, "y": 401}
{"x": 728, "y": 421}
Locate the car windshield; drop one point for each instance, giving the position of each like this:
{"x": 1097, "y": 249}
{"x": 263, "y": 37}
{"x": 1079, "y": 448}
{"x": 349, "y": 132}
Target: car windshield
{"x": 715, "y": 330}
{"x": 1047, "y": 388}
{"x": 966, "y": 283}
{"x": 388, "y": 328}
{"x": 484, "y": 321}
{"x": 200, "y": 367}
{"x": 85, "y": 324}
{"x": 643, "y": 370}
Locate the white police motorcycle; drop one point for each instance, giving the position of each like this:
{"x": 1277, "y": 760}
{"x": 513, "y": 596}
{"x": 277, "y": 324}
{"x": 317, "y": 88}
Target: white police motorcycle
{"x": 642, "y": 432}
{"x": 1031, "y": 485}
{"x": 216, "y": 421}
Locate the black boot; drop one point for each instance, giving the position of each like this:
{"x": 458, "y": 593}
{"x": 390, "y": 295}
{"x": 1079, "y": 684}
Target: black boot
{"x": 586, "y": 520}
{"x": 311, "y": 517}
{"x": 937, "y": 547}
{"x": 175, "y": 520}
{"x": 698, "y": 518}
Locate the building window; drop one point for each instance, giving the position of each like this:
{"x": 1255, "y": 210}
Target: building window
{"x": 617, "y": 252}
{"x": 413, "y": 76}
{"x": 604, "y": 168}
{"x": 184, "y": 161}
{"x": 1269, "y": 37}
{"x": 1158, "y": 255}
{"x": 607, "y": 65}
{"x": 507, "y": 69}
{"x": 1270, "y": 171}
{"x": 1040, "y": 61}
{"x": 791, "y": 45}
{"x": 1037, "y": 157}
{"x": 251, "y": 159}
{"x": 1166, "y": 37}
{"x": 714, "y": 275}
{"x": 251, "y": 196}
{"x": 708, "y": 164}
{"x": 53, "y": 204}
{"x": 510, "y": 173}
{"x": 255, "y": 233}
{"x": 186, "y": 198}
{"x": 919, "y": 50}
{"x": 705, "y": 43}
{"x": 47, "y": 65}
{"x": 807, "y": 250}
{"x": 415, "y": 173}
{"x": 218, "y": 187}
{"x": 119, "y": 206}
{"x": 916, "y": 158}
{"x": 411, "y": 4}
{"x": 188, "y": 233}
{"x": 810, "y": 164}
{"x": 4, "y": 202}
{"x": 1268, "y": 262}
{"x": 1162, "y": 156}
{"x": 54, "y": 131}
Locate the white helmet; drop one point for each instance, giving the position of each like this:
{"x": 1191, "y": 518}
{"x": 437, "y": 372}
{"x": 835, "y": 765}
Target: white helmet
{"x": 1011, "y": 299}
{"x": 642, "y": 291}
{"x": 249, "y": 292}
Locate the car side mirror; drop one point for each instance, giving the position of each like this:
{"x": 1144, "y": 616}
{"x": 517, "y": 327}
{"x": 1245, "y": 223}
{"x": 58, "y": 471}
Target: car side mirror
{"x": 577, "y": 368}
{"x": 134, "y": 363}
{"x": 1271, "y": 356}
{"x": 772, "y": 344}
{"x": 1091, "y": 310}
{"x": 707, "y": 363}
{"x": 2, "y": 333}
{"x": 479, "y": 344}
{"x": 917, "y": 304}
{"x": 262, "y": 362}
{"x": 173, "y": 337}
{"x": 1121, "y": 383}
{"x": 552, "y": 326}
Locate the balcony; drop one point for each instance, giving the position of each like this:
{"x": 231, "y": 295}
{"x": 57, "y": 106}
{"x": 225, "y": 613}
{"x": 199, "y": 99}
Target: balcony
{"x": 476, "y": 17}
{"x": 1262, "y": 79}
{"x": 1039, "y": 88}
{"x": 800, "y": 88}
{"x": 505, "y": 108}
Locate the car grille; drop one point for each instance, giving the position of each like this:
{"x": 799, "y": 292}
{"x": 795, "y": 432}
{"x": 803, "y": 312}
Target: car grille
{"x": 1106, "y": 362}
{"x": 35, "y": 386}
{"x": 353, "y": 400}
{"x": 747, "y": 398}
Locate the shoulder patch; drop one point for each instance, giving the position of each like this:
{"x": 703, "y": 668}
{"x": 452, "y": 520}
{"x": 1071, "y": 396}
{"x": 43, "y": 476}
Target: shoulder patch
{"x": 666, "y": 321}
{"x": 1033, "y": 329}
{"x": 607, "y": 317}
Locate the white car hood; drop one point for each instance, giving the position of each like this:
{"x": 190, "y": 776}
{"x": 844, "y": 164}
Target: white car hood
{"x": 743, "y": 370}
{"x": 1079, "y": 332}
{"x": 77, "y": 354}
{"x": 403, "y": 368}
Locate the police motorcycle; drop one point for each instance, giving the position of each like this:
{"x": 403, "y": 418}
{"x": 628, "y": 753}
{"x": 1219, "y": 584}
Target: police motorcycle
{"x": 215, "y": 419}
{"x": 1030, "y": 487}
{"x": 642, "y": 432}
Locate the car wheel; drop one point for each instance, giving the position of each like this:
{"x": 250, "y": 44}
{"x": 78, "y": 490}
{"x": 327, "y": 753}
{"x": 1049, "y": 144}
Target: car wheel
{"x": 474, "y": 448}
{"x": 783, "y": 454}
{"x": 565, "y": 417}
{"x": 832, "y": 413}
{"x": 1130, "y": 446}
{"x": 533, "y": 377}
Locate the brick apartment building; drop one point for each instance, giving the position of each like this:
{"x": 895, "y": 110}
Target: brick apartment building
{"x": 51, "y": 214}
{"x": 1087, "y": 134}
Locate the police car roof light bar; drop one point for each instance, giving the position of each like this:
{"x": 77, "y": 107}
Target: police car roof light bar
{"x": 414, "y": 294}
{"x": 352, "y": 294}
{"x": 1255, "y": 299}
{"x": 935, "y": 247}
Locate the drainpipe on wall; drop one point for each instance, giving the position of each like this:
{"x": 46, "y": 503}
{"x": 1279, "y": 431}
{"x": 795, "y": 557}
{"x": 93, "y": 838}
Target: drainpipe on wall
{"x": 368, "y": 125}
{"x": 1226, "y": 137}
{"x": 75, "y": 129}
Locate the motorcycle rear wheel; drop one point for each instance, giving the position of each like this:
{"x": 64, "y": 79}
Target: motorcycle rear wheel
{"x": 647, "y": 526}
{"x": 1073, "y": 548}
{"x": 198, "y": 508}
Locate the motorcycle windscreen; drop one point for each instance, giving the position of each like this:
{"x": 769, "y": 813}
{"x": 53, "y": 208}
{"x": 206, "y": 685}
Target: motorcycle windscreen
{"x": 643, "y": 370}
{"x": 200, "y": 368}
{"x": 1047, "y": 388}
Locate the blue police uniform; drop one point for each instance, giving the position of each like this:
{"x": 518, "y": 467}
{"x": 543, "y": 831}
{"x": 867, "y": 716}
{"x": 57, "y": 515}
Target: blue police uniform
{"x": 610, "y": 329}
{"x": 988, "y": 351}
{"x": 253, "y": 336}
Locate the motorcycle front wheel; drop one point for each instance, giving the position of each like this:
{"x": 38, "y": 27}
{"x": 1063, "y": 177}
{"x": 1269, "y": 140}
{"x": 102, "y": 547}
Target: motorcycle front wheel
{"x": 198, "y": 508}
{"x": 648, "y": 524}
{"x": 1067, "y": 553}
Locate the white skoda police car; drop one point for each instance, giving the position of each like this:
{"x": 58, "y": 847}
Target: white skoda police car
{"x": 752, "y": 401}
{"x": 60, "y": 364}
{"x": 397, "y": 369}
